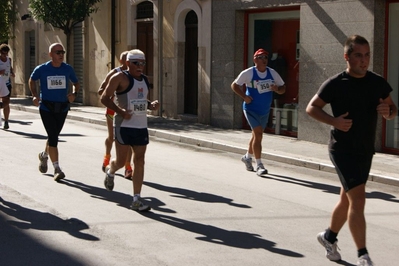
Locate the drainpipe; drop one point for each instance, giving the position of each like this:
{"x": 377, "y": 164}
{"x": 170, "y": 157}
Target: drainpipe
{"x": 160, "y": 55}
{"x": 113, "y": 10}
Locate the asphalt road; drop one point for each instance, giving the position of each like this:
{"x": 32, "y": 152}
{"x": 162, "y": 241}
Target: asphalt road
{"x": 207, "y": 210}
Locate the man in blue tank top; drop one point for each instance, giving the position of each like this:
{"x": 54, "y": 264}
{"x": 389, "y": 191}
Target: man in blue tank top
{"x": 260, "y": 81}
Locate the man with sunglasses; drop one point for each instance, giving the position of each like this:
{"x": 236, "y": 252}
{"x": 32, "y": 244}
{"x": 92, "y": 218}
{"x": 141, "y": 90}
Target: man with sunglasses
{"x": 109, "y": 114}
{"x": 130, "y": 89}
{"x": 6, "y": 71}
{"x": 53, "y": 102}
{"x": 260, "y": 82}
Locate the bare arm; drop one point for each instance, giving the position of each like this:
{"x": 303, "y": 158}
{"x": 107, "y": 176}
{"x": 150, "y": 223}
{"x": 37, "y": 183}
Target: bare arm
{"x": 75, "y": 90}
{"x": 107, "y": 96}
{"x": 315, "y": 110}
{"x": 32, "y": 87}
{"x": 278, "y": 89}
{"x": 105, "y": 81}
{"x": 387, "y": 108}
{"x": 239, "y": 91}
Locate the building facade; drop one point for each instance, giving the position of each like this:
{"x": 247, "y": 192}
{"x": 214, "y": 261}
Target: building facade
{"x": 196, "y": 48}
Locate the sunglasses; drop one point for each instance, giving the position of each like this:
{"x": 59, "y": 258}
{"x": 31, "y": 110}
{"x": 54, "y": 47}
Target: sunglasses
{"x": 138, "y": 63}
{"x": 58, "y": 52}
{"x": 262, "y": 57}
{"x": 4, "y": 51}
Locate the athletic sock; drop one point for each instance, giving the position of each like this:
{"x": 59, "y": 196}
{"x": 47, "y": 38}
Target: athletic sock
{"x": 248, "y": 155}
{"x": 56, "y": 165}
{"x": 128, "y": 166}
{"x": 361, "y": 252}
{"x": 136, "y": 197}
{"x": 331, "y": 236}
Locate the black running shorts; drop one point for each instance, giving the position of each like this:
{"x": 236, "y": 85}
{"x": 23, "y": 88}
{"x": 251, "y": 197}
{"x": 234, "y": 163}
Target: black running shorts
{"x": 131, "y": 136}
{"x": 352, "y": 169}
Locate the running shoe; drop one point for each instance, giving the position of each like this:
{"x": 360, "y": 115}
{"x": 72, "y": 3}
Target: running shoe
{"x": 261, "y": 170}
{"x": 109, "y": 180}
{"x": 331, "y": 249}
{"x": 128, "y": 174}
{"x": 58, "y": 174}
{"x": 248, "y": 163}
{"x": 43, "y": 163}
{"x": 139, "y": 206}
{"x": 364, "y": 260}
{"x": 6, "y": 125}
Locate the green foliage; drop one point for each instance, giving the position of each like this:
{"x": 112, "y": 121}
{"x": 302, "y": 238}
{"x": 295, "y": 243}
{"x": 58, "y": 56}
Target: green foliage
{"x": 7, "y": 19}
{"x": 62, "y": 14}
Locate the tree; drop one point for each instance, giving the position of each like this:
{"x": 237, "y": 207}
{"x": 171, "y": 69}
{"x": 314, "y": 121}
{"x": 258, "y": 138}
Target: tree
{"x": 63, "y": 14}
{"x": 7, "y": 19}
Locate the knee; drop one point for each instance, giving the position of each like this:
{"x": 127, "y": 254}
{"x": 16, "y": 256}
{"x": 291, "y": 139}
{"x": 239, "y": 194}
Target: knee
{"x": 358, "y": 204}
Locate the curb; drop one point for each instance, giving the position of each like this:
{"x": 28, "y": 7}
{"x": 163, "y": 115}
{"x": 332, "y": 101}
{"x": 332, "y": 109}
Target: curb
{"x": 164, "y": 134}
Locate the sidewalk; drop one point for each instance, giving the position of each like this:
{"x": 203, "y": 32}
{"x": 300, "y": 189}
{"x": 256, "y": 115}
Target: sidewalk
{"x": 276, "y": 148}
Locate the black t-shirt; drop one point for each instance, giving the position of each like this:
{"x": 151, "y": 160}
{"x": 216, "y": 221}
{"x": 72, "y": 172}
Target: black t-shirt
{"x": 360, "y": 98}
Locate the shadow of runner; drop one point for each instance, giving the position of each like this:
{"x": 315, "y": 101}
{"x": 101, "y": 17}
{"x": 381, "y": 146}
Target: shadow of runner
{"x": 329, "y": 188}
{"x": 18, "y": 248}
{"x": 194, "y": 195}
{"x": 121, "y": 199}
{"x": 216, "y": 235}
{"x": 44, "y": 221}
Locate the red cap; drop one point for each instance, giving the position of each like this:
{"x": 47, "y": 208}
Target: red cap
{"x": 260, "y": 52}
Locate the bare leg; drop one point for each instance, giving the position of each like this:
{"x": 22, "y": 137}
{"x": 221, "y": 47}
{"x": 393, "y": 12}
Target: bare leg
{"x": 6, "y": 107}
{"x": 340, "y": 212}
{"x": 356, "y": 219}
{"x": 110, "y": 138}
{"x": 119, "y": 161}
{"x": 138, "y": 169}
{"x": 255, "y": 144}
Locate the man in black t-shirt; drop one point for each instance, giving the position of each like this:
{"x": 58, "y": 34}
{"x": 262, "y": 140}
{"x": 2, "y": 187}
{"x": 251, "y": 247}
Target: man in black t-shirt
{"x": 357, "y": 96}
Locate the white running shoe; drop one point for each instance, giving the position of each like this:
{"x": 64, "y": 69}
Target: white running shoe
{"x": 138, "y": 205}
{"x": 331, "y": 249}
{"x": 364, "y": 260}
{"x": 248, "y": 163}
{"x": 261, "y": 170}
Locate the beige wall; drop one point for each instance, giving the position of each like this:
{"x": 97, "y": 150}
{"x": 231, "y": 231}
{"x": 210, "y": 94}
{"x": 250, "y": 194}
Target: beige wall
{"x": 168, "y": 76}
{"x": 174, "y": 13}
{"x": 44, "y": 35}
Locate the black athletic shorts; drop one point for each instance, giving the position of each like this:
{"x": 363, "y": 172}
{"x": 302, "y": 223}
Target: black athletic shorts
{"x": 131, "y": 136}
{"x": 352, "y": 169}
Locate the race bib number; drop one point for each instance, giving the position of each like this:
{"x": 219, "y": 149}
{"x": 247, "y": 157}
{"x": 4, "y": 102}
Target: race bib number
{"x": 56, "y": 82}
{"x": 138, "y": 106}
{"x": 264, "y": 85}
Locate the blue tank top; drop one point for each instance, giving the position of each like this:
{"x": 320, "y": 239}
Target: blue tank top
{"x": 259, "y": 90}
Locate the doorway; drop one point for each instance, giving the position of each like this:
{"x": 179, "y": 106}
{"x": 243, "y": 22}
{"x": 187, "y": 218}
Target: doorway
{"x": 191, "y": 64}
{"x": 265, "y": 31}
{"x": 145, "y": 42}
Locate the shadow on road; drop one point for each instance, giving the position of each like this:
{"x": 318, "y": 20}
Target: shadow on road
{"x": 329, "y": 188}
{"x": 221, "y": 236}
{"x": 18, "y": 248}
{"x": 44, "y": 221}
{"x": 194, "y": 195}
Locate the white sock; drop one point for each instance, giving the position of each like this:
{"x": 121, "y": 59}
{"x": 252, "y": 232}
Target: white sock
{"x": 258, "y": 161}
{"x": 56, "y": 165}
{"x": 44, "y": 154}
{"x": 248, "y": 155}
{"x": 109, "y": 173}
{"x": 136, "y": 197}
